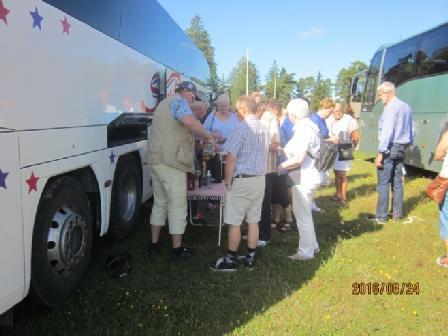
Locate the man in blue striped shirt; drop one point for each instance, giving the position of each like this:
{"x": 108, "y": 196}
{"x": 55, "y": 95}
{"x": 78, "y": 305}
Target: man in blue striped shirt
{"x": 395, "y": 135}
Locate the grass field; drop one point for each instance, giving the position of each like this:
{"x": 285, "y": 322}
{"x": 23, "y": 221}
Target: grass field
{"x": 280, "y": 297}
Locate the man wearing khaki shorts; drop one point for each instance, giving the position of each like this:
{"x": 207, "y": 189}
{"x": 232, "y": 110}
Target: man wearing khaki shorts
{"x": 246, "y": 165}
{"x": 170, "y": 158}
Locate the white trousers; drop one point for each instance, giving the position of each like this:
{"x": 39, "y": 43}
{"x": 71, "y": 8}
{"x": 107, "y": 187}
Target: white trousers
{"x": 302, "y": 197}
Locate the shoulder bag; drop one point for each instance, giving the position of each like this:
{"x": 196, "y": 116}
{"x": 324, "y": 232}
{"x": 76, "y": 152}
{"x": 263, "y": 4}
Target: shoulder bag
{"x": 437, "y": 189}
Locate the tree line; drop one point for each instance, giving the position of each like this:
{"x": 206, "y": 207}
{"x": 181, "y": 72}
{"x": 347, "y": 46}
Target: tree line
{"x": 279, "y": 83}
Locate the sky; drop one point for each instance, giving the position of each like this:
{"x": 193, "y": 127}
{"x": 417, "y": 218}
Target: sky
{"x": 305, "y": 36}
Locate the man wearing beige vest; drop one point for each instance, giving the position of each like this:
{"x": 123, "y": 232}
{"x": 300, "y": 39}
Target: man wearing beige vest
{"x": 171, "y": 156}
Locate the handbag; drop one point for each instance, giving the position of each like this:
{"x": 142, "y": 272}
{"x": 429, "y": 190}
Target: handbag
{"x": 437, "y": 189}
{"x": 345, "y": 152}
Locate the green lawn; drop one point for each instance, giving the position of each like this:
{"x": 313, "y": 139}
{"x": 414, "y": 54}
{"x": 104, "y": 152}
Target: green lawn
{"x": 280, "y": 297}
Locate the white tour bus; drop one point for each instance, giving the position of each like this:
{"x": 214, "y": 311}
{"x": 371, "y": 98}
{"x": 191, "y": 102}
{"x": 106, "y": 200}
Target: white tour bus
{"x": 74, "y": 78}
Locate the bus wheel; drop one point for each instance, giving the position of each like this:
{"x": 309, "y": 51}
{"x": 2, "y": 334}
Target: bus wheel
{"x": 126, "y": 198}
{"x": 62, "y": 242}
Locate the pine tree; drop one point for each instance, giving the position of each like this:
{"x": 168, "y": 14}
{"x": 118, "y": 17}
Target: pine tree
{"x": 238, "y": 79}
{"x": 201, "y": 38}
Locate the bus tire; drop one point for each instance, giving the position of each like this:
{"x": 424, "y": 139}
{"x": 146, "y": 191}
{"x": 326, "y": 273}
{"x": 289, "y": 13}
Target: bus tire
{"x": 62, "y": 242}
{"x": 126, "y": 198}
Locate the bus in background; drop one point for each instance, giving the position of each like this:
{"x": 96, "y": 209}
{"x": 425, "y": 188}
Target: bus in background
{"x": 418, "y": 66}
{"x": 76, "y": 80}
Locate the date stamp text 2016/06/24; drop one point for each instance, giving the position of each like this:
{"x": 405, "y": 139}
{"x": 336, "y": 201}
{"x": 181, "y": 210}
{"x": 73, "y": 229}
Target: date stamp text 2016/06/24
{"x": 389, "y": 288}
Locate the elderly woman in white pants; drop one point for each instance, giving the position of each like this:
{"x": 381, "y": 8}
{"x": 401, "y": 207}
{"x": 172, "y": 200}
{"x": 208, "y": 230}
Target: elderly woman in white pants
{"x": 300, "y": 151}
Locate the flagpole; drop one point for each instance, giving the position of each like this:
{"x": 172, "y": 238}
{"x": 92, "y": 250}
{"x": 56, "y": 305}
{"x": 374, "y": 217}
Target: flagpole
{"x": 275, "y": 86}
{"x": 247, "y": 71}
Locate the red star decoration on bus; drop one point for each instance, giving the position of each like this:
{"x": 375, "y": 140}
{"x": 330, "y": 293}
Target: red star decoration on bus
{"x": 3, "y": 12}
{"x": 65, "y": 26}
{"x": 32, "y": 183}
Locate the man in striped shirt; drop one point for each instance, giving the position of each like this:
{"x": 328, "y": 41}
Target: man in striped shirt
{"x": 246, "y": 165}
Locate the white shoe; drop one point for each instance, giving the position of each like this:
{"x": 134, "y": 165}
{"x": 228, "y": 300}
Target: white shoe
{"x": 314, "y": 207}
{"x": 262, "y": 243}
{"x": 297, "y": 256}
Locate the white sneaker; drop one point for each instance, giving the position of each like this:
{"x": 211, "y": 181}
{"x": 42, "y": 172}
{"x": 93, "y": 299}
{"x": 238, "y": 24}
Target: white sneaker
{"x": 262, "y": 243}
{"x": 297, "y": 256}
{"x": 314, "y": 207}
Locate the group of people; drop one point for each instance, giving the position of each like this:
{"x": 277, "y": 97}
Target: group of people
{"x": 263, "y": 149}
{"x": 270, "y": 165}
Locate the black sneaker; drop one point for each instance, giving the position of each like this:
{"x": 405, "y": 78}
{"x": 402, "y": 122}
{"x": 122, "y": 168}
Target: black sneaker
{"x": 182, "y": 253}
{"x": 153, "y": 250}
{"x": 249, "y": 262}
{"x": 223, "y": 264}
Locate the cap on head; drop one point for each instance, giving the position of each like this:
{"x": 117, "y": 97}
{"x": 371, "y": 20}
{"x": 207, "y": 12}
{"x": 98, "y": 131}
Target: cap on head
{"x": 299, "y": 108}
{"x": 189, "y": 86}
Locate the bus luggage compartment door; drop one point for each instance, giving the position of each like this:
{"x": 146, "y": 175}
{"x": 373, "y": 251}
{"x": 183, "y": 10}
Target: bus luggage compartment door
{"x": 12, "y": 277}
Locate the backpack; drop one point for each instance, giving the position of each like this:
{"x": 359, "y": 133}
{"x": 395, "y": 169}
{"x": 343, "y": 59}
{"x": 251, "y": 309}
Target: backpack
{"x": 327, "y": 154}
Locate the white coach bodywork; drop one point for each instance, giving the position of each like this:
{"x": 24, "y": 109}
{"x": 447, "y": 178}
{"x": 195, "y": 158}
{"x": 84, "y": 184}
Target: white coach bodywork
{"x": 58, "y": 92}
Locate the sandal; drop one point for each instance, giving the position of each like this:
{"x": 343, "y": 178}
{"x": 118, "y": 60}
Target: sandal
{"x": 335, "y": 198}
{"x": 275, "y": 225}
{"x": 287, "y": 225}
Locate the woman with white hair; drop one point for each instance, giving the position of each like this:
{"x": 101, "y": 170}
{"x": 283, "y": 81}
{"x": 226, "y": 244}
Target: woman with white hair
{"x": 301, "y": 151}
{"x": 222, "y": 121}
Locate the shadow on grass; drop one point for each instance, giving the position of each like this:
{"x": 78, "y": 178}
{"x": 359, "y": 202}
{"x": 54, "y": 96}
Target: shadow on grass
{"x": 362, "y": 190}
{"x": 411, "y": 203}
{"x": 354, "y": 177}
{"x": 161, "y": 297}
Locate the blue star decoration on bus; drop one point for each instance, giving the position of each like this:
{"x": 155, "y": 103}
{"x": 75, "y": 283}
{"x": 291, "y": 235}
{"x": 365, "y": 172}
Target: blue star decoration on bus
{"x": 3, "y": 176}
{"x": 37, "y": 19}
{"x": 32, "y": 183}
{"x": 112, "y": 157}
{"x": 3, "y": 12}
{"x": 65, "y": 26}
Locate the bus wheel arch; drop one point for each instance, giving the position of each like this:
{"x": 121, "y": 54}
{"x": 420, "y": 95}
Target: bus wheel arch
{"x": 62, "y": 241}
{"x": 126, "y": 197}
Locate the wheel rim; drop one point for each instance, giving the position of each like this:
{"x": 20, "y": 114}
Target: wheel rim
{"x": 127, "y": 197}
{"x": 67, "y": 240}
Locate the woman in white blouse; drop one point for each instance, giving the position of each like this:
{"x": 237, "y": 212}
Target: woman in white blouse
{"x": 300, "y": 151}
{"x": 344, "y": 128}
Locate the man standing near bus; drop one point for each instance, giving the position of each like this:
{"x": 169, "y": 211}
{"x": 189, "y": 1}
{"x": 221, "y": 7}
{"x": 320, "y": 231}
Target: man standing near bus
{"x": 395, "y": 136}
{"x": 247, "y": 147}
{"x": 170, "y": 157}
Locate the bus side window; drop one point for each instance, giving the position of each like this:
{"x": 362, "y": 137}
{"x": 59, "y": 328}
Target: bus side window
{"x": 399, "y": 62}
{"x": 432, "y": 57}
{"x": 103, "y": 15}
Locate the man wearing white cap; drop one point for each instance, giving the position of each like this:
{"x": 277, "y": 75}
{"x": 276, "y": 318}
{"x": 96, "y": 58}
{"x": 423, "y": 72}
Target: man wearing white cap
{"x": 301, "y": 151}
